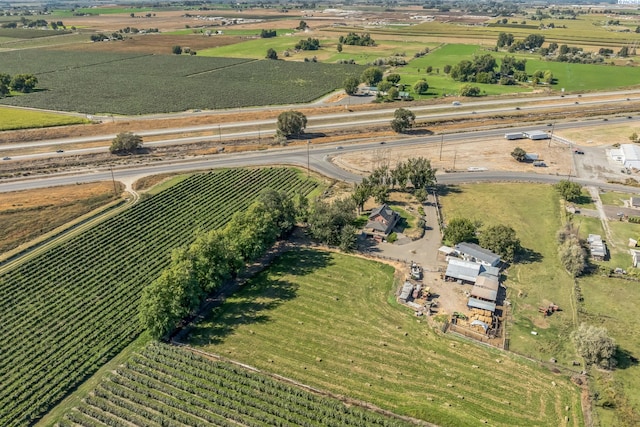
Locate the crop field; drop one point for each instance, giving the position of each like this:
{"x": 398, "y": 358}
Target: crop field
{"x": 346, "y": 334}
{"x": 69, "y": 310}
{"x": 145, "y": 84}
{"x": 173, "y": 386}
{"x": 14, "y": 118}
{"x": 19, "y": 33}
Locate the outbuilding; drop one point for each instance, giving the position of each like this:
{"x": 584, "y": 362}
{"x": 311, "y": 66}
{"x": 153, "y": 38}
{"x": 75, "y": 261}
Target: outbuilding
{"x": 628, "y": 155}
{"x": 475, "y": 253}
{"x": 536, "y": 135}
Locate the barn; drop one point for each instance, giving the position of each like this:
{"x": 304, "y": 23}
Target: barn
{"x": 628, "y": 155}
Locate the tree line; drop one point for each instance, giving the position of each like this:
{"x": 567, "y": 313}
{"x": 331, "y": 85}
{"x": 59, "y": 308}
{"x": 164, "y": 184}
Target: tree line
{"x": 214, "y": 256}
{"x": 23, "y": 83}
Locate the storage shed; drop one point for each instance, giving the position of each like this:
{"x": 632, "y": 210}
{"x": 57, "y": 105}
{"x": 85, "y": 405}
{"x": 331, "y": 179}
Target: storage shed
{"x": 482, "y": 305}
{"x": 465, "y": 271}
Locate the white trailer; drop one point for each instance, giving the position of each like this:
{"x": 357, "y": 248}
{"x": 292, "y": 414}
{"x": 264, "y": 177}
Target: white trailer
{"x": 514, "y": 135}
{"x": 536, "y": 135}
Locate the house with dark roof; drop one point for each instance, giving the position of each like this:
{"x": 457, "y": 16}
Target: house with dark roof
{"x": 382, "y": 220}
{"x": 475, "y": 253}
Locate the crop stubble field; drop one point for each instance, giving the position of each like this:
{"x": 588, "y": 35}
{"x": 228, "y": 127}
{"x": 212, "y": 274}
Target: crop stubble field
{"x": 71, "y": 309}
{"x": 345, "y": 333}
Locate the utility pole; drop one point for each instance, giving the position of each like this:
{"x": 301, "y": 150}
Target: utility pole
{"x": 308, "y": 143}
{"x": 220, "y": 134}
{"x": 441, "y": 142}
{"x": 113, "y": 179}
{"x": 454, "y": 160}
{"x": 551, "y": 136}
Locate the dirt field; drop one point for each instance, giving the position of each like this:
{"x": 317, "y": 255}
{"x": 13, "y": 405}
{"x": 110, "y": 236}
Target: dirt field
{"x": 492, "y": 154}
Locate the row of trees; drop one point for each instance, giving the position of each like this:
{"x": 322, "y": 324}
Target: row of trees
{"x": 308, "y": 44}
{"x": 531, "y": 42}
{"x": 24, "y": 83}
{"x": 215, "y": 256}
{"x": 353, "y": 39}
{"x": 500, "y": 239}
{"x": 415, "y": 171}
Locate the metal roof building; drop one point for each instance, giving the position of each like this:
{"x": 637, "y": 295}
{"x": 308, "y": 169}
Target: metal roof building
{"x": 488, "y": 282}
{"x": 482, "y": 305}
{"x": 537, "y": 135}
{"x": 462, "y": 270}
{"x": 484, "y": 293}
{"x": 476, "y": 253}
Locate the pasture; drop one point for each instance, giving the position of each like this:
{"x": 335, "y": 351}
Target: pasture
{"x": 70, "y": 309}
{"x": 345, "y": 333}
{"x": 172, "y": 385}
{"x": 538, "y": 278}
{"x": 146, "y": 84}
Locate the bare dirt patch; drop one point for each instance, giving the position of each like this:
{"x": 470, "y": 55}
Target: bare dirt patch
{"x": 493, "y": 154}
{"x": 25, "y": 215}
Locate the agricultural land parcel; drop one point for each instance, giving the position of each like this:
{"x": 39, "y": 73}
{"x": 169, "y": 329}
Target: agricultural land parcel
{"x": 70, "y": 309}
{"x": 13, "y": 118}
{"x": 26, "y": 215}
{"x": 346, "y": 334}
{"x": 144, "y": 84}
{"x": 589, "y": 31}
{"x": 607, "y": 301}
{"x": 171, "y": 384}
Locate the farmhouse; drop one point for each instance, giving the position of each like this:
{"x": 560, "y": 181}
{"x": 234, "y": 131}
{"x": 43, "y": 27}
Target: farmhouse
{"x": 597, "y": 247}
{"x": 382, "y": 220}
{"x": 628, "y": 155}
{"x": 475, "y": 253}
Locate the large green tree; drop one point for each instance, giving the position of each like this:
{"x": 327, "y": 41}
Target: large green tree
{"x": 569, "y": 190}
{"x": 327, "y": 219}
{"x": 420, "y": 172}
{"x": 595, "y": 345}
{"x": 291, "y": 123}
{"x": 500, "y": 239}
{"x": 125, "y": 142}
{"x": 351, "y": 85}
{"x": 460, "y": 230}
{"x": 403, "y": 120}
{"x": 371, "y": 76}
{"x": 272, "y": 54}
{"x": 421, "y": 87}
{"x": 519, "y": 154}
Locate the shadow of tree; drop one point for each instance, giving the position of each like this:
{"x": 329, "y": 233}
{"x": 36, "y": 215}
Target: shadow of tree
{"x": 528, "y": 256}
{"x": 444, "y": 190}
{"x": 252, "y": 303}
{"x": 624, "y": 359}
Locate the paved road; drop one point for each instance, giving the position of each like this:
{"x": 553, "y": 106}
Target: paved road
{"x": 316, "y": 157}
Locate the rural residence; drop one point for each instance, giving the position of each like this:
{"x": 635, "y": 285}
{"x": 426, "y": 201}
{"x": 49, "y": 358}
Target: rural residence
{"x": 382, "y": 220}
{"x": 597, "y": 247}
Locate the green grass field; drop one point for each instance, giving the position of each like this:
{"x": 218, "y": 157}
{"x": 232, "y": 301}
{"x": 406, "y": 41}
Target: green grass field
{"x": 18, "y": 118}
{"x": 331, "y": 321}
{"x": 533, "y": 211}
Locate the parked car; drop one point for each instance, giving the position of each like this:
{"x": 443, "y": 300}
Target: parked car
{"x": 539, "y": 164}
{"x": 578, "y": 151}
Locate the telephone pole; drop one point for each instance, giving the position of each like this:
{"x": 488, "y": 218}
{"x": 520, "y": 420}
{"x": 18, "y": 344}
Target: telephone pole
{"x": 113, "y": 179}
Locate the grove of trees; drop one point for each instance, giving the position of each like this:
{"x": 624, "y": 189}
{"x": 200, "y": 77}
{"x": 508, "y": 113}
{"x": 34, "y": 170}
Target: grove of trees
{"x": 24, "y": 83}
{"x": 308, "y": 44}
{"x": 572, "y": 251}
{"x": 354, "y": 39}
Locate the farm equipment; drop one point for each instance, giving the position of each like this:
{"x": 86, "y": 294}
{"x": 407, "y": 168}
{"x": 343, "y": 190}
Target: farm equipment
{"x": 548, "y": 310}
{"x": 416, "y": 271}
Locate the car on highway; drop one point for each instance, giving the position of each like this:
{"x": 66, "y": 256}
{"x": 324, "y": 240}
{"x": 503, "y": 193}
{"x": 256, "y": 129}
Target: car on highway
{"x": 382, "y": 142}
{"x": 59, "y": 151}
{"x": 578, "y": 151}
{"x": 456, "y": 103}
{"x": 339, "y": 147}
{"x": 6, "y": 158}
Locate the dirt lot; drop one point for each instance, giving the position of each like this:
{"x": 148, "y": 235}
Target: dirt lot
{"x": 493, "y": 154}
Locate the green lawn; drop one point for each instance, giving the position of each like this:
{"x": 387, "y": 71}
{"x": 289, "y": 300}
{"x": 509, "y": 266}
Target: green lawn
{"x": 331, "y": 321}
{"x": 14, "y": 118}
{"x": 613, "y": 198}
